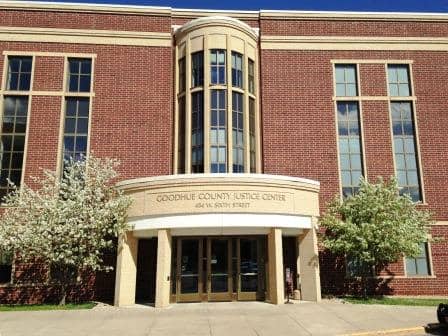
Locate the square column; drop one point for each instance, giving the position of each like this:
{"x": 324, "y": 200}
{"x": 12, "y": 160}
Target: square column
{"x": 275, "y": 257}
{"x": 309, "y": 265}
{"x": 126, "y": 270}
{"x": 163, "y": 269}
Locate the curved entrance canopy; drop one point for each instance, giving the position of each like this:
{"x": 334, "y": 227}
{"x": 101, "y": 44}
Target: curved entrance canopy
{"x": 221, "y": 201}
{"x": 219, "y": 237}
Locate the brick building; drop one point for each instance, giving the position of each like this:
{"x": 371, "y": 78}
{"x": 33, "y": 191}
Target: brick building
{"x": 234, "y": 130}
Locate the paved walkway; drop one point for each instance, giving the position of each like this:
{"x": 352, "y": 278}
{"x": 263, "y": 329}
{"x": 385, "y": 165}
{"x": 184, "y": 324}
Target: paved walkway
{"x": 229, "y": 319}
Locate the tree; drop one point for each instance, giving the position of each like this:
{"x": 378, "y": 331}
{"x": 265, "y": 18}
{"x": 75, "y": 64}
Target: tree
{"x": 67, "y": 222}
{"x": 374, "y": 227}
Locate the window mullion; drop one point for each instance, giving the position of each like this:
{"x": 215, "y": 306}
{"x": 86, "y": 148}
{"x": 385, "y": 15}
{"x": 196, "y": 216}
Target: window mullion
{"x": 229, "y": 128}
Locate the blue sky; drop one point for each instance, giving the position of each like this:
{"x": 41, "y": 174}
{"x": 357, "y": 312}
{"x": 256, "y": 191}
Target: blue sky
{"x": 440, "y": 6}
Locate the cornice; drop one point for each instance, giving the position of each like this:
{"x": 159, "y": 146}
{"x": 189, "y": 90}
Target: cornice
{"x": 213, "y": 21}
{"x": 241, "y": 14}
{"x": 86, "y": 8}
{"x": 84, "y": 36}
{"x": 354, "y": 43}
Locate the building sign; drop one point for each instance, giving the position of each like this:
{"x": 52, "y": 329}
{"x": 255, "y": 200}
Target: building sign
{"x": 221, "y": 199}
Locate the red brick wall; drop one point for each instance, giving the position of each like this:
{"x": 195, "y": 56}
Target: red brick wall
{"x": 47, "y": 73}
{"x": 299, "y": 139}
{"x": 373, "y": 81}
{"x": 78, "y": 20}
{"x": 132, "y": 119}
{"x": 352, "y": 28}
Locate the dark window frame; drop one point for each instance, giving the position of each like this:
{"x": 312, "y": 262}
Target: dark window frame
{"x": 238, "y": 132}
{"x": 405, "y": 149}
{"x": 20, "y": 73}
{"x": 78, "y": 70}
{"x": 424, "y": 255}
{"x": 6, "y": 268}
{"x": 14, "y": 154}
{"x": 346, "y": 82}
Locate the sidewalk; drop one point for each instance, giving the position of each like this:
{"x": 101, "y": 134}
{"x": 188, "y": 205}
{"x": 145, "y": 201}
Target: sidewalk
{"x": 229, "y": 319}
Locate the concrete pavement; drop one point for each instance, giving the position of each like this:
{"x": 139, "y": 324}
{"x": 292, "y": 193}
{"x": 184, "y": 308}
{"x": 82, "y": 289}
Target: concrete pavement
{"x": 215, "y": 319}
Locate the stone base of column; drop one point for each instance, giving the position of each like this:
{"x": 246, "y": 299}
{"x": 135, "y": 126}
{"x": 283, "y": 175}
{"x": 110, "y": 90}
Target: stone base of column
{"x": 126, "y": 270}
{"x": 163, "y": 281}
{"x": 275, "y": 257}
{"x": 309, "y": 266}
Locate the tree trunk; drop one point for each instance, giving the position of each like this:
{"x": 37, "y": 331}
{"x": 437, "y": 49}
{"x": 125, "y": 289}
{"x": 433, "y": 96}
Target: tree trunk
{"x": 364, "y": 286}
{"x": 63, "y": 295}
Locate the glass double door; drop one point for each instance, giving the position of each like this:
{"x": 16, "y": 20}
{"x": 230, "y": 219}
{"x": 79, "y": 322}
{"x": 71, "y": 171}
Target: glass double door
{"x": 218, "y": 269}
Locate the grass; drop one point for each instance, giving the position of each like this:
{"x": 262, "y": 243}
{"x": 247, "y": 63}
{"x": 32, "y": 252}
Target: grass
{"x": 68, "y": 306}
{"x": 397, "y": 301}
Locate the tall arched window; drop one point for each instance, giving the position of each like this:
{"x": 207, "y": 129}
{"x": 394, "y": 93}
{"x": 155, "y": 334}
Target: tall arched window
{"x": 217, "y": 119}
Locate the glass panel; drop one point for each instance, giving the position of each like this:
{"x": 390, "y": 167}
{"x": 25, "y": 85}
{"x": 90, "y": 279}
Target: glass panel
{"x": 340, "y": 76}
{"x": 79, "y": 76}
{"x": 399, "y": 160}
{"x": 393, "y": 89}
{"x": 398, "y": 145}
{"x": 249, "y": 265}
{"x": 189, "y": 270}
{"x": 70, "y": 125}
{"x": 340, "y": 90}
{"x": 350, "y": 90}
{"x": 24, "y": 81}
{"x": 411, "y": 268}
{"x": 356, "y": 162}
{"x": 346, "y": 82}
{"x": 219, "y": 266}
{"x": 403, "y": 90}
{"x": 346, "y": 178}
{"x": 422, "y": 266}
{"x": 197, "y": 65}
{"x": 401, "y": 176}
{"x": 84, "y": 83}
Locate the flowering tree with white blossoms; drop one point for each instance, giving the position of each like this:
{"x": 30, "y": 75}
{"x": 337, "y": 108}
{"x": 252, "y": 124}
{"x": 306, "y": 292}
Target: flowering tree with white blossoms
{"x": 67, "y": 222}
{"x": 374, "y": 227}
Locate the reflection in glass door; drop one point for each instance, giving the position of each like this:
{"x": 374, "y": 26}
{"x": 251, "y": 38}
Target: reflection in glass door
{"x": 188, "y": 281}
{"x": 249, "y": 269}
{"x": 219, "y": 280}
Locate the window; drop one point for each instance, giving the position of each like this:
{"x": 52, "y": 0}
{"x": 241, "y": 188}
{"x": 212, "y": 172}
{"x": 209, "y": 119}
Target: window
{"x": 251, "y": 76}
{"x": 197, "y": 69}
{"x": 76, "y": 128}
{"x": 5, "y": 267}
{"x": 357, "y": 268}
{"x": 252, "y": 143}
{"x": 405, "y": 149}
{"x": 197, "y": 132}
{"x": 79, "y": 75}
{"x": 350, "y": 155}
{"x": 346, "y": 83}
{"x": 182, "y": 79}
{"x": 216, "y": 114}
{"x": 15, "y": 112}
{"x": 399, "y": 83}
{"x": 181, "y": 135}
{"x": 238, "y": 132}
{"x": 19, "y": 73}
{"x": 237, "y": 69}
{"x": 218, "y": 134}
{"x": 420, "y": 264}
{"x": 77, "y": 110}
{"x": 218, "y": 66}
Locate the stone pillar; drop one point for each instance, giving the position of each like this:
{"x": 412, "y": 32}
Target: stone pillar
{"x": 163, "y": 269}
{"x": 126, "y": 270}
{"x": 297, "y": 295}
{"x": 309, "y": 265}
{"x": 275, "y": 257}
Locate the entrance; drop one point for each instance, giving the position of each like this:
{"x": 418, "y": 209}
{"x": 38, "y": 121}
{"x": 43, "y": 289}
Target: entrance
{"x": 219, "y": 269}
